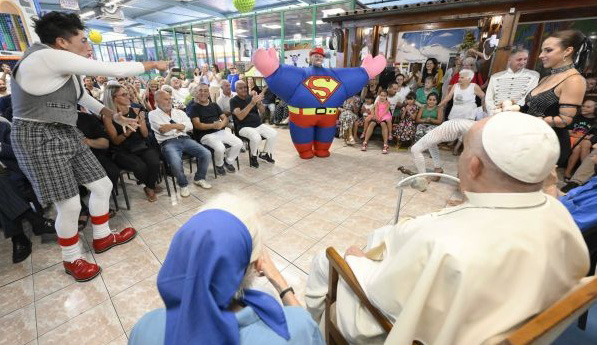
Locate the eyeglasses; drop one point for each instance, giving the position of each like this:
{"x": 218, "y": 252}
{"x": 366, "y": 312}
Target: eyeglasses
{"x": 124, "y": 94}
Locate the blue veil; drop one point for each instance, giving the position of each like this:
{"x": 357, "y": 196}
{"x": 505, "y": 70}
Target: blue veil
{"x": 204, "y": 267}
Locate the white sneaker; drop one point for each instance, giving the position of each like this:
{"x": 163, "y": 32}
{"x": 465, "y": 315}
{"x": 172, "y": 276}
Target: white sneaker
{"x": 185, "y": 191}
{"x": 203, "y": 184}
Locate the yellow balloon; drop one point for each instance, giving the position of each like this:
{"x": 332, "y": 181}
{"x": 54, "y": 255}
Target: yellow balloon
{"x": 95, "y": 36}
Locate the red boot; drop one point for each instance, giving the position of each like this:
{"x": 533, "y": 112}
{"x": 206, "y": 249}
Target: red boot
{"x": 103, "y": 244}
{"x": 81, "y": 270}
{"x": 305, "y": 151}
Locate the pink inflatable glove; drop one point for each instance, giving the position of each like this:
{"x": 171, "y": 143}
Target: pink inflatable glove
{"x": 266, "y": 62}
{"x": 374, "y": 66}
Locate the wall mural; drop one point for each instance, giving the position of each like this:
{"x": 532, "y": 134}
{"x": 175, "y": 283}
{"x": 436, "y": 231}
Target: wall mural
{"x": 418, "y": 46}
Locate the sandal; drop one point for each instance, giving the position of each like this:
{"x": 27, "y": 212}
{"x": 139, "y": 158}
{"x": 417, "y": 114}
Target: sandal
{"x": 406, "y": 171}
{"x": 364, "y": 146}
{"x": 385, "y": 149}
{"x": 150, "y": 193}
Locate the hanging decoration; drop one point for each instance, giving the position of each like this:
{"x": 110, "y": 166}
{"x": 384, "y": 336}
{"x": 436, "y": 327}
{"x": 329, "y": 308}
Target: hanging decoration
{"x": 244, "y": 6}
{"x": 95, "y": 36}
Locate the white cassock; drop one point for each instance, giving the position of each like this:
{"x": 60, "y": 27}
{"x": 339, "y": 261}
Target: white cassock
{"x": 461, "y": 275}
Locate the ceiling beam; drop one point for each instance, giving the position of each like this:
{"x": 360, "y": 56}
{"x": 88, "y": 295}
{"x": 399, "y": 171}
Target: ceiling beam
{"x": 149, "y": 23}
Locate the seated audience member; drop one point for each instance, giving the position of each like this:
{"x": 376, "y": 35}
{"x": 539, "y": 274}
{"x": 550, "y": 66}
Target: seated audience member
{"x": 405, "y": 129}
{"x": 513, "y": 84}
{"x": 149, "y": 99}
{"x": 366, "y": 114}
{"x": 580, "y": 138}
{"x": 5, "y": 75}
{"x": 269, "y": 100}
{"x": 246, "y": 109}
{"x": 14, "y": 209}
{"x": 253, "y": 88}
{"x": 424, "y": 91}
{"x": 6, "y": 107}
{"x": 281, "y": 114}
{"x": 429, "y": 116}
{"x": 233, "y": 77}
{"x": 170, "y": 127}
{"x": 463, "y": 94}
{"x": 473, "y": 272}
{"x": 382, "y": 116}
{"x": 131, "y": 150}
{"x": 3, "y": 89}
{"x": 591, "y": 85}
{"x": 179, "y": 93}
{"x": 223, "y": 242}
{"x": 136, "y": 101}
{"x": 138, "y": 84}
{"x": 581, "y": 202}
{"x": 101, "y": 82}
{"x": 210, "y": 130}
{"x": 90, "y": 88}
{"x": 347, "y": 118}
{"x": 225, "y": 96}
{"x": 98, "y": 141}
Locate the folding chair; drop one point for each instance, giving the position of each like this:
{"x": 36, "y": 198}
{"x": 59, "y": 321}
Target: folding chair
{"x": 213, "y": 159}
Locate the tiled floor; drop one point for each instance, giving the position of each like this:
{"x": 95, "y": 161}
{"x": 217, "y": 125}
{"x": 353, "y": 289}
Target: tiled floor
{"x": 308, "y": 206}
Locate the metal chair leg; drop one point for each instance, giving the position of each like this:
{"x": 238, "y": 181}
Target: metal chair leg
{"x": 114, "y": 199}
{"x": 124, "y": 193}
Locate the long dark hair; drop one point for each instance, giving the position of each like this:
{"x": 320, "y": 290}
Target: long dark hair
{"x": 581, "y": 46}
{"x": 433, "y": 71}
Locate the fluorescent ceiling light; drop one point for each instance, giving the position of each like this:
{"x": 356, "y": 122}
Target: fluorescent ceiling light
{"x": 271, "y": 26}
{"x": 298, "y": 24}
{"x": 88, "y": 14}
{"x": 297, "y": 37}
{"x": 241, "y": 35}
{"x": 332, "y": 11}
{"x": 318, "y": 22}
{"x": 240, "y": 31}
{"x": 199, "y": 29}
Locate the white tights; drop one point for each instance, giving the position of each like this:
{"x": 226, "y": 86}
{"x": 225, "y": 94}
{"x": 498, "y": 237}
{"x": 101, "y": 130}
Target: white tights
{"x": 447, "y": 131}
{"x": 68, "y": 215}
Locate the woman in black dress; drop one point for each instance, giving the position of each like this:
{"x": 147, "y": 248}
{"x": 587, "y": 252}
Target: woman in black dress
{"x": 558, "y": 97}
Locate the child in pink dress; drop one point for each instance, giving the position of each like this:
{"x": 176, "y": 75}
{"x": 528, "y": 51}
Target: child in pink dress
{"x": 382, "y": 117}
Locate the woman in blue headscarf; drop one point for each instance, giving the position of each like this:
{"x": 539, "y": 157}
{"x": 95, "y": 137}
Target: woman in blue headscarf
{"x": 211, "y": 261}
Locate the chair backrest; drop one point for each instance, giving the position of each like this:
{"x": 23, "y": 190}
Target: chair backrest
{"x": 549, "y": 324}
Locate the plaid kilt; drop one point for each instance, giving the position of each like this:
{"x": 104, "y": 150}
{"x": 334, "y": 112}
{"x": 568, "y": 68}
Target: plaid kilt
{"x": 54, "y": 159}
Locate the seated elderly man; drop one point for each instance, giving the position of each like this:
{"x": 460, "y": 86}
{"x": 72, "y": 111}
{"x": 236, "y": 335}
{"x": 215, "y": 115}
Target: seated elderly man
{"x": 469, "y": 273}
{"x": 210, "y": 124}
{"x": 179, "y": 93}
{"x": 170, "y": 127}
{"x": 204, "y": 282}
{"x": 246, "y": 110}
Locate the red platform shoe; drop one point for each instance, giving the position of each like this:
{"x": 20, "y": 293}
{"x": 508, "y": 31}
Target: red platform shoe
{"x": 81, "y": 270}
{"x": 103, "y": 244}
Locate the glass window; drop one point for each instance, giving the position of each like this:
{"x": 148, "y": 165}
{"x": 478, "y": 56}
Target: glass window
{"x": 168, "y": 48}
{"x": 201, "y": 37}
{"x": 120, "y": 53}
{"x": 298, "y": 36}
{"x": 324, "y": 31}
{"x": 150, "y": 49}
{"x": 243, "y": 35}
{"x": 222, "y": 43}
{"x": 268, "y": 30}
{"x": 182, "y": 35}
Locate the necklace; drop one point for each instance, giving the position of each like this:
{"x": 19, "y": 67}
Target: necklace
{"x": 561, "y": 69}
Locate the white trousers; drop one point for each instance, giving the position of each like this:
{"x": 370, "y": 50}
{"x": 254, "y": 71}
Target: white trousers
{"x": 217, "y": 140}
{"x": 447, "y": 131}
{"x": 254, "y": 135}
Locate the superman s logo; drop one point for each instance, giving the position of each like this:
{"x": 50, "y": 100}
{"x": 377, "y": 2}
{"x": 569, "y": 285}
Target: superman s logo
{"x": 322, "y": 87}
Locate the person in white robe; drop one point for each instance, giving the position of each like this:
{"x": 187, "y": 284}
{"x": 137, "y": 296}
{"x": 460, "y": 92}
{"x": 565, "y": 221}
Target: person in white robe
{"x": 471, "y": 273}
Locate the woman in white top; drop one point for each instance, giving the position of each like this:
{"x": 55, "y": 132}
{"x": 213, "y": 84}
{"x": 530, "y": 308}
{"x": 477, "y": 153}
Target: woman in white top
{"x": 464, "y": 94}
{"x": 214, "y": 77}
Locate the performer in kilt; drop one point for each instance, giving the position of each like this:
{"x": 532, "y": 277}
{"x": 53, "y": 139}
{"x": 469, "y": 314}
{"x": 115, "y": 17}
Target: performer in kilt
{"x": 47, "y": 87}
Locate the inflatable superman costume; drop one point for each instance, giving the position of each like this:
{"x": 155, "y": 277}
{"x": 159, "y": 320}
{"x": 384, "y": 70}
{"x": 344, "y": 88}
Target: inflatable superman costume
{"x": 313, "y": 95}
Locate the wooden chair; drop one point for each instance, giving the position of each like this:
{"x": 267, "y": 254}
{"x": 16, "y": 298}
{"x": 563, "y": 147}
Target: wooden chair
{"x": 339, "y": 268}
{"x": 541, "y": 329}
{"x": 549, "y": 324}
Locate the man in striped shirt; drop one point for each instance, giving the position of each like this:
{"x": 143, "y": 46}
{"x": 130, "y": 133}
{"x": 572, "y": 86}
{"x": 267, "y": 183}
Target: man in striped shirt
{"x": 512, "y": 84}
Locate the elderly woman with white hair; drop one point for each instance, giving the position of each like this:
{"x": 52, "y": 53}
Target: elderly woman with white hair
{"x": 204, "y": 281}
{"x": 461, "y": 119}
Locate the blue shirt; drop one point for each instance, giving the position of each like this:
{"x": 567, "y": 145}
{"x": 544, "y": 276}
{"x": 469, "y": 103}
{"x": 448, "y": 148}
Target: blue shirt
{"x": 581, "y": 202}
{"x": 232, "y": 79}
{"x": 150, "y": 329}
